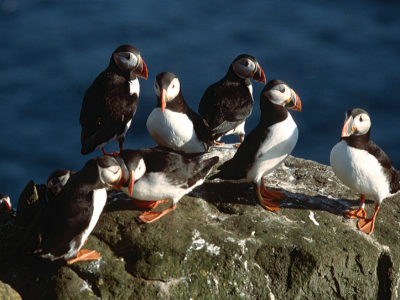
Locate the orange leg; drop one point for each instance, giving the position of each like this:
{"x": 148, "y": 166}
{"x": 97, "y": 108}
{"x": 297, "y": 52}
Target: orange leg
{"x": 114, "y": 154}
{"x": 218, "y": 143}
{"x": 241, "y": 141}
{"x": 148, "y": 204}
{"x": 367, "y": 225}
{"x": 269, "y": 199}
{"x": 151, "y": 216}
{"x": 357, "y": 213}
{"x": 84, "y": 255}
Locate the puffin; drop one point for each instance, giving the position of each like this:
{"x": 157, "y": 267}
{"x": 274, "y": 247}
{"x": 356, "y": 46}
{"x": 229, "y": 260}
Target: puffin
{"x": 155, "y": 174}
{"x": 68, "y": 220}
{"x": 172, "y": 123}
{"x": 226, "y": 104}
{"x": 57, "y": 180}
{"x": 268, "y": 144}
{"x": 363, "y": 166}
{"x": 111, "y": 101}
{"x": 5, "y": 203}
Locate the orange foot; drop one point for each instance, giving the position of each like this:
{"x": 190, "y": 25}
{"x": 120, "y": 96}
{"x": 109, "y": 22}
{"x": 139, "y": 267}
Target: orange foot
{"x": 151, "y": 216}
{"x": 269, "y": 199}
{"x": 114, "y": 154}
{"x": 218, "y": 143}
{"x": 355, "y": 214}
{"x": 237, "y": 146}
{"x": 84, "y": 255}
{"x": 366, "y": 225}
{"x": 148, "y": 204}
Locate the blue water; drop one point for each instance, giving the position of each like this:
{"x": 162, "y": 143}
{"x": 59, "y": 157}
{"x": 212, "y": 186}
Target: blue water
{"x": 334, "y": 54}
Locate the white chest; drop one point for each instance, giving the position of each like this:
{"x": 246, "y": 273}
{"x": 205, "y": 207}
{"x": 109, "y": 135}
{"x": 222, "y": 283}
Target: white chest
{"x": 173, "y": 130}
{"x": 134, "y": 87}
{"x": 99, "y": 200}
{"x": 360, "y": 171}
{"x": 250, "y": 87}
{"x": 278, "y": 144}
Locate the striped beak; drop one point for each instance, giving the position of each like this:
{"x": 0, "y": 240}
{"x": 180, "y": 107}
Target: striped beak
{"x": 163, "y": 99}
{"x": 293, "y": 102}
{"x": 142, "y": 69}
{"x": 348, "y": 129}
{"x": 259, "y": 74}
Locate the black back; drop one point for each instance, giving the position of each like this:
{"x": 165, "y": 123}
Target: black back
{"x": 107, "y": 107}
{"x": 226, "y": 103}
{"x": 180, "y": 169}
{"x": 69, "y": 213}
{"x": 238, "y": 166}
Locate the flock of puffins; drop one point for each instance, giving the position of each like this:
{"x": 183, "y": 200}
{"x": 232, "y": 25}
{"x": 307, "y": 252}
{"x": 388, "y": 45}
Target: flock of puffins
{"x": 179, "y": 163}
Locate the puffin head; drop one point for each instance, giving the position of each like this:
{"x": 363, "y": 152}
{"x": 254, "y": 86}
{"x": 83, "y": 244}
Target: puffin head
{"x": 279, "y": 93}
{"x": 166, "y": 87}
{"x": 128, "y": 59}
{"x": 357, "y": 122}
{"x": 133, "y": 168}
{"x": 5, "y": 203}
{"x": 110, "y": 172}
{"x": 246, "y": 66}
{"x": 57, "y": 180}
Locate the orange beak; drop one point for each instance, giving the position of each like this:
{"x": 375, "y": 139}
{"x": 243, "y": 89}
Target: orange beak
{"x": 163, "y": 100}
{"x": 259, "y": 74}
{"x": 119, "y": 183}
{"x": 143, "y": 73}
{"x": 294, "y": 101}
{"x": 131, "y": 183}
{"x": 347, "y": 129}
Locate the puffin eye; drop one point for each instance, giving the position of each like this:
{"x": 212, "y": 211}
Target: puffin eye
{"x": 361, "y": 119}
{"x": 246, "y": 63}
{"x": 282, "y": 89}
{"x": 173, "y": 86}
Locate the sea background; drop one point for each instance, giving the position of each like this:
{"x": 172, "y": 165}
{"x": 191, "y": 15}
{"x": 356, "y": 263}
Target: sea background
{"x": 335, "y": 54}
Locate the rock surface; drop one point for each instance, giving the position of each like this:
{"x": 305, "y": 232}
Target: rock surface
{"x": 220, "y": 244}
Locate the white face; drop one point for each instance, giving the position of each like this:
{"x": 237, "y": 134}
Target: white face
{"x": 361, "y": 123}
{"x": 140, "y": 169}
{"x": 126, "y": 60}
{"x": 279, "y": 94}
{"x": 172, "y": 90}
{"x": 244, "y": 67}
{"x": 110, "y": 175}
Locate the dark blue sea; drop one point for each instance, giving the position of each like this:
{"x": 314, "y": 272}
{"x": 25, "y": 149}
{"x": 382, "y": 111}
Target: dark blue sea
{"x": 335, "y": 54}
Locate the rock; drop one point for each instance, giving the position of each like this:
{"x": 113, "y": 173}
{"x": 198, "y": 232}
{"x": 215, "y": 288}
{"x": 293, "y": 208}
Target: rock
{"x": 220, "y": 244}
{"x": 6, "y": 292}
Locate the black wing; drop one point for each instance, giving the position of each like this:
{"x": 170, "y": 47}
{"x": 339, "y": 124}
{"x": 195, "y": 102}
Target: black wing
{"x": 106, "y": 109}
{"x": 241, "y": 162}
{"x": 199, "y": 126}
{"x": 387, "y": 165}
{"x": 67, "y": 216}
{"x": 226, "y": 101}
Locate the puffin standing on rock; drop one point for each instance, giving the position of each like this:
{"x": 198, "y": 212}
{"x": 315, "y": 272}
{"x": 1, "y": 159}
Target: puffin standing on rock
{"x": 268, "y": 145}
{"x": 227, "y": 104}
{"x": 69, "y": 219}
{"x": 172, "y": 123}
{"x": 111, "y": 101}
{"x": 156, "y": 175}
{"x": 361, "y": 165}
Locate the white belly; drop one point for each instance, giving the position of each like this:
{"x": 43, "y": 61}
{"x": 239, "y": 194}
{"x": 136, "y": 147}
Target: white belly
{"x": 155, "y": 186}
{"x": 279, "y": 143}
{"x": 360, "y": 171}
{"x": 134, "y": 87}
{"x": 173, "y": 130}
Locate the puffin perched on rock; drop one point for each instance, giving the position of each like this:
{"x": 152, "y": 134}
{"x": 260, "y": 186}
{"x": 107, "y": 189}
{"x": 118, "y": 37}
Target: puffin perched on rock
{"x": 157, "y": 175}
{"x": 267, "y": 145}
{"x": 68, "y": 220}
{"x": 361, "y": 165}
{"x": 172, "y": 123}
{"x": 111, "y": 101}
{"x": 227, "y": 104}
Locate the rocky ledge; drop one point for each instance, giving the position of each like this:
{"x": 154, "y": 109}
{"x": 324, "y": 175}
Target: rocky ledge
{"x": 220, "y": 244}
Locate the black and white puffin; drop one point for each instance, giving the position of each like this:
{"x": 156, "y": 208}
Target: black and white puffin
{"x": 70, "y": 218}
{"x": 111, "y": 101}
{"x": 227, "y": 104}
{"x": 5, "y": 203}
{"x": 267, "y": 145}
{"x": 361, "y": 165}
{"x": 57, "y": 180}
{"x": 156, "y": 174}
{"x": 172, "y": 123}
